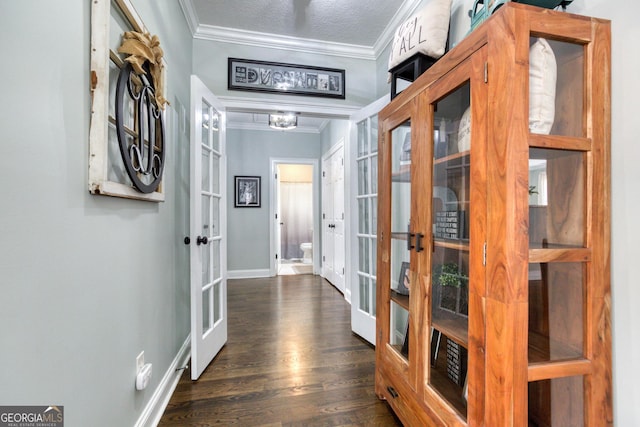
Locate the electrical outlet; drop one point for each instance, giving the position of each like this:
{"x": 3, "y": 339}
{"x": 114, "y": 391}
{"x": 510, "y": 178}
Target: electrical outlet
{"x": 140, "y": 361}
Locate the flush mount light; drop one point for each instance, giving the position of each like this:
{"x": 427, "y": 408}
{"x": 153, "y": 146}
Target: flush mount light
{"x": 283, "y": 121}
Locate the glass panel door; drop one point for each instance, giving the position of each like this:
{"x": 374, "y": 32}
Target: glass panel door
{"x": 364, "y": 222}
{"x": 450, "y": 257}
{"x": 208, "y": 287}
{"x": 367, "y": 162}
{"x": 401, "y": 239}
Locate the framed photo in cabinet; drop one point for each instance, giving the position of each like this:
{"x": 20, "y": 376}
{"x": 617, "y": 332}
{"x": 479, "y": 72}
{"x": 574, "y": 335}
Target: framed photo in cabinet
{"x": 403, "y": 280}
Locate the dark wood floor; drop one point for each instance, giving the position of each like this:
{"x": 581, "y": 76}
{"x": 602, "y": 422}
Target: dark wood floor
{"x": 290, "y": 360}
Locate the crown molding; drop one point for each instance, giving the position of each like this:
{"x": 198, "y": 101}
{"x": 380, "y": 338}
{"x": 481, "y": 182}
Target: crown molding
{"x": 189, "y": 14}
{"x": 274, "y": 41}
{"x": 407, "y": 8}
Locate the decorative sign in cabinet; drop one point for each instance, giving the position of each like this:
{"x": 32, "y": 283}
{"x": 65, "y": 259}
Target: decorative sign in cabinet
{"x": 494, "y": 229}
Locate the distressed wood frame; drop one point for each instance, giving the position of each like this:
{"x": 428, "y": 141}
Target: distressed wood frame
{"x": 101, "y": 54}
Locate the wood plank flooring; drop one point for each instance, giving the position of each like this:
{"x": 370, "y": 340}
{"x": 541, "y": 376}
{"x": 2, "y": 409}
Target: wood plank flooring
{"x": 290, "y": 360}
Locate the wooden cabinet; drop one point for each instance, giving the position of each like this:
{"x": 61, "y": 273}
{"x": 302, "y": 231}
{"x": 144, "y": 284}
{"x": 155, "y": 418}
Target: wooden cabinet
{"x": 493, "y": 299}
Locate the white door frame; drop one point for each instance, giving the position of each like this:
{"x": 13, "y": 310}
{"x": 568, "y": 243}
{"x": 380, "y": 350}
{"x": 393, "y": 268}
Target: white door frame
{"x": 362, "y": 324}
{"x": 273, "y": 203}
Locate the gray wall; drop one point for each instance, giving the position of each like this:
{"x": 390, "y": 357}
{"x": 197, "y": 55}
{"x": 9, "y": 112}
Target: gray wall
{"x": 87, "y": 281}
{"x": 333, "y": 132}
{"x": 249, "y": 153}
{"x": 210, "y": 63}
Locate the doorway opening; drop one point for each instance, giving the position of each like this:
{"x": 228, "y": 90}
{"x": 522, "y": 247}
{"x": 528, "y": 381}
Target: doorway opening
{"x": 295, "y": 219}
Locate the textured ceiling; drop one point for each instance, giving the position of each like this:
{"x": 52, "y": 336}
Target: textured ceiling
{"x": 358, "y": 22}
{"x": 326, "y": 26}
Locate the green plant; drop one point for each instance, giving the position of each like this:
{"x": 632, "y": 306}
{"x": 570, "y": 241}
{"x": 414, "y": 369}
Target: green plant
{"x": 448, "y": 275}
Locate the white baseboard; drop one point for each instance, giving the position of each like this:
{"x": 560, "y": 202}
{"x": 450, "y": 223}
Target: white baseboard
{"x": 347, "y": 295}
{"x": 158, "y": 403}
{"x": 248, "y": 274}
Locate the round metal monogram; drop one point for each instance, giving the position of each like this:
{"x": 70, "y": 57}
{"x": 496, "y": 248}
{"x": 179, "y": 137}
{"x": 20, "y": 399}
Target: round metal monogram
{"x": 140, "y": 129}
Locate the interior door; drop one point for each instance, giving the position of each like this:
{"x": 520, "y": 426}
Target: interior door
{"x": 338, "y": 217}
{"x": 279, "y": 222}
{"x": 208, "y": 228}
{"x": 363, "y": 238}
{"x": 333, "y": 246}
{"x": 327, "y": 216}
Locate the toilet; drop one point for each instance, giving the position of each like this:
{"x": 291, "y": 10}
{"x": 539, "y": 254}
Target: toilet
{"x": 307, "y": 252}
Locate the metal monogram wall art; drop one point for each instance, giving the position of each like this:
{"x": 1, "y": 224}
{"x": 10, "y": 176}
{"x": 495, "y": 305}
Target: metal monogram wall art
{"x": 127, "y": 132}
{"x": 141, "y": 142}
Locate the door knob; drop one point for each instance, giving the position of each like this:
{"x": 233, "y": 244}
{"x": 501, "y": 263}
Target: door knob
{"x": 202, "y": 240}
{"x": 187, "y": 240}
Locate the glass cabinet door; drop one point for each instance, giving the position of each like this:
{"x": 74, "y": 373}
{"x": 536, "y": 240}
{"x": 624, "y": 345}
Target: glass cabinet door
{"x": 450, "y": 256}
{"x": 401, "y": 239}
{"x": 558, "y": 233}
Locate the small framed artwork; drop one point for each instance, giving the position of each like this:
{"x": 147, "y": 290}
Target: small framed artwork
{"x": 403, "y": 280}
{"x": 247, "y": 192}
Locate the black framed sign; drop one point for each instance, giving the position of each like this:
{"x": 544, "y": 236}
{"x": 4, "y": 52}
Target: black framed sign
{"x": 247, "y": 192}
{"x": 262, "y": 76}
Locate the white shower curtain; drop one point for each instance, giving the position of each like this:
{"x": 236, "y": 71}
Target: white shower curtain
{"x": 296, "y": 205}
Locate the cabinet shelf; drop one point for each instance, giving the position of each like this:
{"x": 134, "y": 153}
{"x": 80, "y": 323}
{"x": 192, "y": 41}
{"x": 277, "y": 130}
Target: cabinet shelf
{"x": 457, "y": 244}
{"x": 540, "y": 349}
{"x": 444, "y": 387}
{"x": 559, "y": 142}
{"x": 453, "y": 326}
{"x": 460, "y": 157}
{"x": 400, "y": 299}
{"x": 559, "y": 255}
{"x": 402, "y": 175}
{"x": 400, "y": 235}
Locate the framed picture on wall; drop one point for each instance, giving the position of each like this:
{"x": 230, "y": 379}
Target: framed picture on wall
{"x": 247, "y": 192}
{"x": 288, "y": 79}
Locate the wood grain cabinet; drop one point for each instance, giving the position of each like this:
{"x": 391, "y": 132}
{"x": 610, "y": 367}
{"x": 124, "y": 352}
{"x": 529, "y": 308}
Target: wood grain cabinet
{"x": 493, "y": 299}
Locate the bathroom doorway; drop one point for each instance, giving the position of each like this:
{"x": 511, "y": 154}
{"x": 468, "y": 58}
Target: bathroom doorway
{"x": 294, "y": 227}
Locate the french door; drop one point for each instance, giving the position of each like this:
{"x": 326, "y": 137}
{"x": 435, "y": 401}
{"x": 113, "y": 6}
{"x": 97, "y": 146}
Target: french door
{"x": 207, "y": 228}
{"x": 364, "y": 197}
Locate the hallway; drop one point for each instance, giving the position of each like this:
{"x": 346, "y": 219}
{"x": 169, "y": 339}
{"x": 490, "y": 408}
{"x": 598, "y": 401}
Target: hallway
{"x": 291, "y": 360}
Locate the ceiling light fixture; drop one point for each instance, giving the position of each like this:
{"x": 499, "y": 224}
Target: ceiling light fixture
{"x": 283, "y": 121}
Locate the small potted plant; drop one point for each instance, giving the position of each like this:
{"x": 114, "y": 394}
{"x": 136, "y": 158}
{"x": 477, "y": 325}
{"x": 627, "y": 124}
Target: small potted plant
{"x": 454, "y": 288}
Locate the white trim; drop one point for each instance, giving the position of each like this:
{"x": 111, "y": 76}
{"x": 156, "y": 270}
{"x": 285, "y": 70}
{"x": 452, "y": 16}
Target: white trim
{"x": 262, "y": 127}
{"x": 277, "y": 41}
{"x": 274, "y": 41}
{"x": 316, "y": 206}
{"x": 248, "y": 274}
{"x": 189, "y": 14}
{"x": 407, "y": 8}
{"x": 369, "y": 111}
{"x": 152, "y": 413}
{"x": 266, "y": 105}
